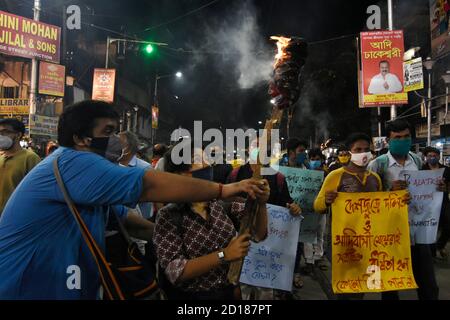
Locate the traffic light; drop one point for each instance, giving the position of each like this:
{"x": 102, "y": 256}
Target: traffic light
{"x": 148, "y": 48}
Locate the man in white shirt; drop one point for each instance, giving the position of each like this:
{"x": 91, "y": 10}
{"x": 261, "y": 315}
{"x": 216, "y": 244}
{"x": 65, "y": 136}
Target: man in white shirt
{"x": 385, "y": 82}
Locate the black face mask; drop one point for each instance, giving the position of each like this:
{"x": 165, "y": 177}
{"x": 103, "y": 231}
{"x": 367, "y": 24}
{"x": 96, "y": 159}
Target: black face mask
{"x": 99, "y": 145}
{"x": 108, "y": 147}
{"x": 204, "y": 174}
{"x": 114, "y": 151}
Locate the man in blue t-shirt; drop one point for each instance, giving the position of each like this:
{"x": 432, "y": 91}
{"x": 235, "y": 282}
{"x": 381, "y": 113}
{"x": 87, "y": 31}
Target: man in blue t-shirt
{"x": 41, "y": 247}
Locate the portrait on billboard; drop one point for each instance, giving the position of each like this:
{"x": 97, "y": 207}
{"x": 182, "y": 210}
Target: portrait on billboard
{"x": 385, "y": 81}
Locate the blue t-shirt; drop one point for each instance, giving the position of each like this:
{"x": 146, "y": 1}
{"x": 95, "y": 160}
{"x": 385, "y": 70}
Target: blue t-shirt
{"x": 40, "y": 242}
{"x": 145, "y": 207}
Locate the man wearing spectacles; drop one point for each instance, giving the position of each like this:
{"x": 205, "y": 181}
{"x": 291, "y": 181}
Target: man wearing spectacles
{"x": 15, "y": 162}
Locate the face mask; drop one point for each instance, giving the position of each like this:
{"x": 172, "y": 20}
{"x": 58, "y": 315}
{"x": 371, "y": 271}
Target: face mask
{"x": 6, "y": 143}
{"x": 400, "y": 147}
{"x": 106, "y": 146}
{"x": 433, "y": 161}
{"x": 361, "y": 159}
{"x": 204, "y": 174}
{"x": 301, "y": 158}
{"x": 344, "y": 159}
{"x": 114, "y": 150}
{"x": 315, "y": 164}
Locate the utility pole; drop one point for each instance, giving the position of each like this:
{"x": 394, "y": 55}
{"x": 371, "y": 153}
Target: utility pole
{"x": 108, "y": 41}
{"x": 155, "y": 103}
{"x": 34, "y": 68}
{"x": 391, "y": 27}
{"x": 428, "y": 64}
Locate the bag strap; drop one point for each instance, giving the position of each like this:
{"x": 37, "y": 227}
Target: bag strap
{"x": 114, "y": 291}
{"x": 122, "y": 228}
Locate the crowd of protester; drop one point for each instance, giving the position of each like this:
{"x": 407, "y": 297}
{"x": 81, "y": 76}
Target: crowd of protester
{"x": 184, "y": 217}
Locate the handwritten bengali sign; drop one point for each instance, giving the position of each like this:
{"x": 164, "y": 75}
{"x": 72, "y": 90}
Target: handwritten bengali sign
{"x": 370, "y": 243}
{"x": 304, "y": 185}
{"x": 270, "y": 263}
{"x": 382, "y": 68}
{"x": 426, "y": 203}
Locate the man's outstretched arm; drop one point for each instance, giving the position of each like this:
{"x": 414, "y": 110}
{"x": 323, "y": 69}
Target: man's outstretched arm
{"x": 168, "y": 187}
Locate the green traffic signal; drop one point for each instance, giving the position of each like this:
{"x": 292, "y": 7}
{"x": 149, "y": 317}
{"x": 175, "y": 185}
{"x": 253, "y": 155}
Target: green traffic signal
{"x": 149, "y": 48}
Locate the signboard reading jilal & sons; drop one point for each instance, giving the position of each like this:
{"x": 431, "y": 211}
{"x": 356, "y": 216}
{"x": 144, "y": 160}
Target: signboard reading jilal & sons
{"x": 27, "y": 38}
{"x": 382, "y": 68}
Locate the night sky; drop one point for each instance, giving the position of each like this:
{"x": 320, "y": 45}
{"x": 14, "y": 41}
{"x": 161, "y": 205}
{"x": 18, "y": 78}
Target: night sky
{"x": 228, "y": 41}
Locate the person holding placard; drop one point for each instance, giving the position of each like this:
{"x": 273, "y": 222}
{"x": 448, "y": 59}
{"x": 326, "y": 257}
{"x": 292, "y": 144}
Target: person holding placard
{"x": 389, "y": 167}
{"x": 352, "y": 178}
{"x": 195, "y": 242}
{"x": 432, "y": 156}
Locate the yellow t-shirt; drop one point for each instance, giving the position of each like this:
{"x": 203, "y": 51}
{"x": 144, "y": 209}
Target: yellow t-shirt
{"x": 342, "y": 180}
{"x": 13, "y": 170}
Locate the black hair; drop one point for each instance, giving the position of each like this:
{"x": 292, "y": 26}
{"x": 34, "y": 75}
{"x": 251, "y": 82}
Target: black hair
{"x": 79, "y": 120}
{"x": 294, "y": 143}
{"x": 159, "y": 150}
{"x": 357, "y": 136}
{"x": 14, "y": 123}
{"x": 427, "y": 150}
{"x": 397, "y": 126}
{"x": 170, "y": 166}
{"x": 341, "y": 148}
{"x": 316, "y": 152}
{"x": 383, "y": 61}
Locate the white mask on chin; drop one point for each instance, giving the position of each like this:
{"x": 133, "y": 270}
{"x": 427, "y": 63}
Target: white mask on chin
{"x": 361, "y": 159}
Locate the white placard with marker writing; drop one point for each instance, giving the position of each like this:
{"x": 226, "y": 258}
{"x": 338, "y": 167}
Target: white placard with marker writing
{"x": 425, "y": 207}
{"x": 270, "y": 263}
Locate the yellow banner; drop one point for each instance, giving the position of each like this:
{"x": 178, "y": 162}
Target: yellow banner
{"x": 370, "y": 243}
{"x": 387, "y": 98}
{"x": 14, "y": 106}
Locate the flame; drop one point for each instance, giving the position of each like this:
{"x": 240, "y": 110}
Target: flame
{"x": 282, "y": 43}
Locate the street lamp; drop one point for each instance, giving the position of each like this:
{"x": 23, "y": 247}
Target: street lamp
{"x": 178, "y": 75}
{"x": 411, "y": 53}
{"x": 128, "y": 121}
{"x": 428, "y": 64}
{"x": 136, "y": 109}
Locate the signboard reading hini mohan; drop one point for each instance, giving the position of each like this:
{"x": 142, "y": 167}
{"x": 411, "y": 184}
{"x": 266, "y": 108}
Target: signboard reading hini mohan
{"x": 27, "y": 38}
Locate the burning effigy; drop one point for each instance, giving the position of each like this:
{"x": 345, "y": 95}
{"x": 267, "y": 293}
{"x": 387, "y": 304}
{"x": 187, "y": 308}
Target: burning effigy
{"x": 284, "y": 87}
